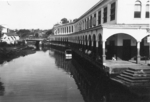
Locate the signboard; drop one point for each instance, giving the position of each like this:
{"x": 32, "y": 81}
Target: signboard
{"x": 148, "y": 39}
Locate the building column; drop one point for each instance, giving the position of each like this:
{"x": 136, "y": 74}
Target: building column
{"x": 97, "y": 45}
{"x": 40, "y": 43}
{"x": 25, "y": 42}
{"x": 104, "y": 55}
{"x": 138, "y": 52}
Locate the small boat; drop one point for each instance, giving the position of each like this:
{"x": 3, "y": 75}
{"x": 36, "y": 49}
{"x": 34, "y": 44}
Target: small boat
{"x": 68, "y": 54}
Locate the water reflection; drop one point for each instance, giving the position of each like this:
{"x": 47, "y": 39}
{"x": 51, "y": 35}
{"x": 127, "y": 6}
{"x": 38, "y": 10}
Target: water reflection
{"x": 93, "y": 85}
{"x": 15, "y": 54}
{"x": 46, "y": 76}
{"x": 36, "y": 78}
{"x": 1, "y": 89}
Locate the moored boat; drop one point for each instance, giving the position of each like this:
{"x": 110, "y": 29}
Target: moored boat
{"x": 68, "y": 54}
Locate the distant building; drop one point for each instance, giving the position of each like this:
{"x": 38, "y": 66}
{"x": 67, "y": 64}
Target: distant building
{"x": 10, "y": 38}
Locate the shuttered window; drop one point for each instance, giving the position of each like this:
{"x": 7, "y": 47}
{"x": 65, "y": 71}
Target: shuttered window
{"x": 137, "y": 9}
{"x": 99, "y": 17}
{"x": 113, "y": 9}
{"x": 147, "y": 15}
{"x": 105, "y": 14}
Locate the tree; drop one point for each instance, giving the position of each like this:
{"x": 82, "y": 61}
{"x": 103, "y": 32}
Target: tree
{"x": 23, "y": 32}
{"x": 64, "y": 20}
{"x": 36, "y": 35}
{"x": 75, "y": 20}
{"x": 49, "y": 32}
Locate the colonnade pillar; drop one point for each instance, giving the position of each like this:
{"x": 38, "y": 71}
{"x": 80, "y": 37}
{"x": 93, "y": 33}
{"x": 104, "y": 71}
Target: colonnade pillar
{"x": 138, "y": 52}
{"x": 104, "y": 55}
{"x": 92, "y": 45}
{"x": 25, "y": 42}
{"x": 97, "y": 49}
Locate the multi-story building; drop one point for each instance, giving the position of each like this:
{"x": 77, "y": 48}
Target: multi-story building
{"x": 114, "y": 28}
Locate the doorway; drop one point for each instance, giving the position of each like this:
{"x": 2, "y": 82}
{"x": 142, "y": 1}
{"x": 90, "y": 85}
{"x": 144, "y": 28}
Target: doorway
{"x": 127, "y": 49}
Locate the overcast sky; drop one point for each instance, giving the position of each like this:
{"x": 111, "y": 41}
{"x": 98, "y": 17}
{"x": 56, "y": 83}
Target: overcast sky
{"x": 42, "y": 14}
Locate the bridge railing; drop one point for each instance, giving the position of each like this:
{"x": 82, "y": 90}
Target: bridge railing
{"x": 33, "y": 39}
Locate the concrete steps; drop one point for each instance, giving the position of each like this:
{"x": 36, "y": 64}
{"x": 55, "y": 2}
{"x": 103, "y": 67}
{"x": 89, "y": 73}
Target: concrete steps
{"x": 134, "y": 77}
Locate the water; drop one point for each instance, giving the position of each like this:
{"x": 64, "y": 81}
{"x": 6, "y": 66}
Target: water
{"x": 45, "y": 76}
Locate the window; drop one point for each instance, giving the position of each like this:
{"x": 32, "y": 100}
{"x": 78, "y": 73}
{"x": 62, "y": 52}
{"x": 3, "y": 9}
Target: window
{"x": 64, "y": 30}
{"x": 113, "y": 9}
{"x": 72, "y": 28}
{"x": 87, "y": 23}
{"x": 80, "y": 26}
{"x": 58, "y": 30}
{"x": 105, "y": 14}
{"x": 147, "y": 10}
{"x": 67, "y": 30}
{"x": 91, "y": 21}
{"x": 99, "y": 17}
{"x": 94, "y": 20}
{"x": 137, "y": 10}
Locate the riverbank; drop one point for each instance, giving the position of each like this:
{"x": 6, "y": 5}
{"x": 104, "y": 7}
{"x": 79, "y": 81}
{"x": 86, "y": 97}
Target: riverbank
{"x": 7, "y": 53}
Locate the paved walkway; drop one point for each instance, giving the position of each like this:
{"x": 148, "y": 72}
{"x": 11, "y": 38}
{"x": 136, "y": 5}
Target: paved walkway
{"x": 125, "y": 64}
{"x": 117, "y": 67}
{"x": 142, "y": 62}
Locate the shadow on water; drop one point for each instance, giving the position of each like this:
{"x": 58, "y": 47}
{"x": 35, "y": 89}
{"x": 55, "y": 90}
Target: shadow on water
{"x": 1, "y": 89}
{"x": 93, "y": 84}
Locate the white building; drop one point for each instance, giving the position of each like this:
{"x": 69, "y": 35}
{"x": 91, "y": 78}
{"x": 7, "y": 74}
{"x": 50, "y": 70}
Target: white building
{"x": 116, "y": 27}
{"x": 10, "y": 38}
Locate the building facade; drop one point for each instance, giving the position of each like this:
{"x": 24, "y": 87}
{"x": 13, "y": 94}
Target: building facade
{"x": 111, "y": 28}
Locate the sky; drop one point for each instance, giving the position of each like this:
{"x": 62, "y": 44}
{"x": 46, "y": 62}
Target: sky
{"x": 40, "y": 14}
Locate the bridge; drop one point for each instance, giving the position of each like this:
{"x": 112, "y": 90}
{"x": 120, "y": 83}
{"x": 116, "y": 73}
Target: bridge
{"x": 38, "y": 41}
{"x": 33, "y": 39}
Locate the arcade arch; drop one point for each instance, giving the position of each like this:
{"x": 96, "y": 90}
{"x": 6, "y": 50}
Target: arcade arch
{"x": 121, "y": 46}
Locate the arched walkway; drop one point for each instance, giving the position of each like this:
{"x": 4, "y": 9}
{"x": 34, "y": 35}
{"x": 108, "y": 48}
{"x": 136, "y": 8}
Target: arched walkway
{"x": 144, "y": 49}
{"x": 121, "y": 47}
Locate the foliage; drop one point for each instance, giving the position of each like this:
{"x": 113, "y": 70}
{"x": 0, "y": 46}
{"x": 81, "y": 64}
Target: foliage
{"x": 64, "y": 20}
{"x": 49, "y": 32}
{"x": 75, "y": 20}
{"x": 23, "y": 32}
{"x": 36, "y": 35}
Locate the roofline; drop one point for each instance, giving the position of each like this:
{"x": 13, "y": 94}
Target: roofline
{"x": 64, "y": 24}
{"x": 83, "y": 14}
{"x": 90, "y": 9}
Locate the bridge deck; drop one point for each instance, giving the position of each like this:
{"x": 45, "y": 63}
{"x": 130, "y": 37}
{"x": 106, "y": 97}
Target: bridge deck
{"x": 34, "y": 39}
